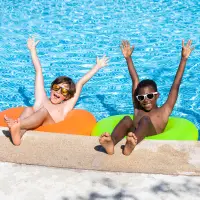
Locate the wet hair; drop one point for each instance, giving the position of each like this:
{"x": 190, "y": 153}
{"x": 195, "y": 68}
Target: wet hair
{"x": 68, "y": 81}
{"x": 145, "y": 83}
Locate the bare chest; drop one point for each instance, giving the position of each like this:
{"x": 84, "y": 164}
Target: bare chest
{"x": 56, "y": 111}
{"x": 158, "y": 119}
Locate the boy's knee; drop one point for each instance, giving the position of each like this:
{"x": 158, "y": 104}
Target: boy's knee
{"x": 43, "y": 110}
{"x": 128, "y": 121}
{"x": 28, "y": 109}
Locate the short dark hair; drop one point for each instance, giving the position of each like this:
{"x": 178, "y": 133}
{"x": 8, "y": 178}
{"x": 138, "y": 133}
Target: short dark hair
{"x": 68, "y": 81}
{"x": 146, "y": 83}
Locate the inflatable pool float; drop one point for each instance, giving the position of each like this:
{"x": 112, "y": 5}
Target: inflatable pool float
{"x": 176, "y": 129}
{"x": 79, "y": 122}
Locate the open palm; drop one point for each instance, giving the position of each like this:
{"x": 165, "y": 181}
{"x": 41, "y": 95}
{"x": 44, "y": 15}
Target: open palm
{"x": 102, "y": 62}
{"x": 126, "y": 49}
{"x": 31, "y": 43}
{"x": 187, "y": 49}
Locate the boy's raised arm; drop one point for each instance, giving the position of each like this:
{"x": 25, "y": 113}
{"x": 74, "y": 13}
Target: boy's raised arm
{"x": 127, "y": 52}
{"x": 40, "y": 93}
{"x": 100, "y": 63}
{"x": 173, "y": 95}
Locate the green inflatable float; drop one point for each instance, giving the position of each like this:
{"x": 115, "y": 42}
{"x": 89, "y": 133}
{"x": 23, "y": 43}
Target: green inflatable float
{"x": 176, "y": 129}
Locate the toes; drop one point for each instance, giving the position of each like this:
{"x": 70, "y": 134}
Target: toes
{"x": 6, "y": 118}
{"x": 134, "y": 136}
{"x": 103, "y": 135}
{"x": 107, "y": 134}
{"x": 130, "y": 134}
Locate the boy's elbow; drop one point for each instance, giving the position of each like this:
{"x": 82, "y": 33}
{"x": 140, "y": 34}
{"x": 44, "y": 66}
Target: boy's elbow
{"x": 80, "y": 84}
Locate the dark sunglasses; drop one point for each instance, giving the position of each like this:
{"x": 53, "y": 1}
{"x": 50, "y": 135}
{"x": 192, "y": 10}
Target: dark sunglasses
{"x": 57, "y": 87}
{"x": 148, "y": 96}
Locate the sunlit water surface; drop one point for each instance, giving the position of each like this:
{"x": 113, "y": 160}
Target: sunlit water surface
{"x": 73, "y": 33}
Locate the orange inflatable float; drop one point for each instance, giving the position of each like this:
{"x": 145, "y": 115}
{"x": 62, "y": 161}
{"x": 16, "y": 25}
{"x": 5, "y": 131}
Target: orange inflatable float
{"x": 78, "y": 122}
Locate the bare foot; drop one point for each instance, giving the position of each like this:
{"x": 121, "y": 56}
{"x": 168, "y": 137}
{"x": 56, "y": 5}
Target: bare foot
{"x": 9, "y": 121}
{"x": 14, "y": 127}
{"x": 106, "y": 141}
{"x": 131, "y": 142}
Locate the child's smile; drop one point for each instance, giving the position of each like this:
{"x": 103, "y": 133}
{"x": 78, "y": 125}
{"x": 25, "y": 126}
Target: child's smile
{"x": 147, "y": 98}
{"x": 147, "y": 105}
{"x": 56, "y": 93}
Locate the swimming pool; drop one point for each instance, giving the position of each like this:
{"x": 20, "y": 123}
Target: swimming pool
{"x": 73, "y": 33}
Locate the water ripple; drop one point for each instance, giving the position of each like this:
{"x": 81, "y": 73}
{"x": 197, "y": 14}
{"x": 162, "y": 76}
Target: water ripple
{"x": 73, "y": 33}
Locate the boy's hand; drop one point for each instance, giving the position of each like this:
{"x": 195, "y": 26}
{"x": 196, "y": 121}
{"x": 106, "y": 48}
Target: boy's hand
{"x": 31, "y": 43}
{"x": 187, "y": 49}
{"x": 102, "y": 62}
{"x": 126, "y": 49}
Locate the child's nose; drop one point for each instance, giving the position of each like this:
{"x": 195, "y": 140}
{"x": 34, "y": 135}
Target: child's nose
{"x": 59, "y": 90}
{"x": 145, "y": 99}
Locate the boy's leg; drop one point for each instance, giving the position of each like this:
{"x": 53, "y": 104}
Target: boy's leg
{"x": 26, "y": 113}
{"x": 145, "y": 128}
{"x": 122, "y": 129}
{"x": 109, "y": 141}
{"x": 35, "y": 120}
{"x": 38, "y": 118}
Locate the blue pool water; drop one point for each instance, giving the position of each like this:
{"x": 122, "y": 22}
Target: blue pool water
{"x": 73, "y": 33}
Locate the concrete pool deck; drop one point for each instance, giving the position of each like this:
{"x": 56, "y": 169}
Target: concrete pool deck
{"x": 84, "y": 152}
{"x": 22, "y": 182}
{"x": 167, "y": 169}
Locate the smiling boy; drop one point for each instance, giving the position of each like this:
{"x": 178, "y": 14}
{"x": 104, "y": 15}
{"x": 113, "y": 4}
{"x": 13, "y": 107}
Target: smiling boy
{"x": 149, "y": 118}
{"x": 64, "y": 95}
